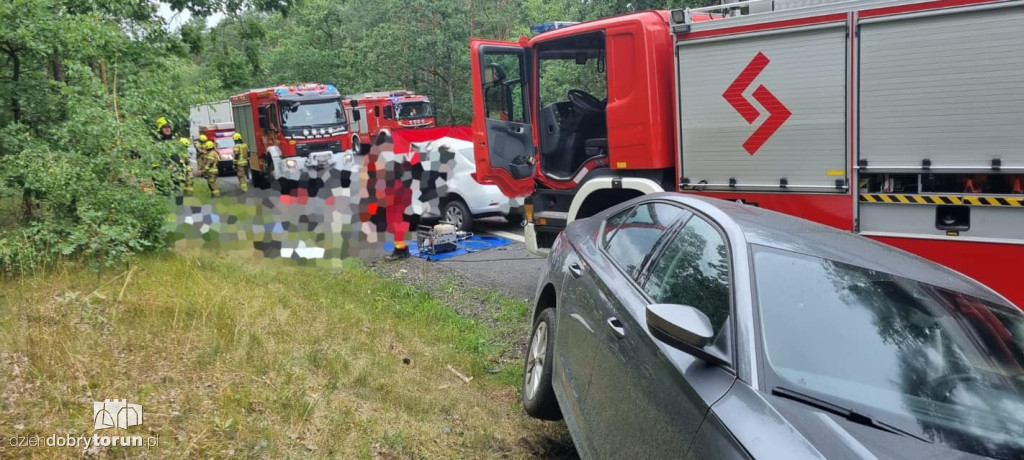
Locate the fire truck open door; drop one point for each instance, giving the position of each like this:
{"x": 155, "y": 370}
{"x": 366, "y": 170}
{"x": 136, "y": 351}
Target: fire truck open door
{"x": 502, "y": 129}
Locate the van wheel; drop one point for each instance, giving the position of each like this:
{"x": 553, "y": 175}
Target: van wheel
{"x": 457, "y": 213}
{"x": 538, "y": 394}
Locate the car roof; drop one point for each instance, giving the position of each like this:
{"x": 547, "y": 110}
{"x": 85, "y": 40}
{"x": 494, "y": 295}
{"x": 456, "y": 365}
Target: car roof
{"x": 782, "y": 231}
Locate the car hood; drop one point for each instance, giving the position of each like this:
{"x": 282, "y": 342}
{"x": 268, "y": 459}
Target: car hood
{"x": 775, "y": 427}
{"x": 836, "y": 437}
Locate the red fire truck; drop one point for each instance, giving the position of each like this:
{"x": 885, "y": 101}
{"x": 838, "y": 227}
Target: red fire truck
{"x": 291, "y": 130}
{"x": 371, "y": 112}
{"x": 899, "y": 120}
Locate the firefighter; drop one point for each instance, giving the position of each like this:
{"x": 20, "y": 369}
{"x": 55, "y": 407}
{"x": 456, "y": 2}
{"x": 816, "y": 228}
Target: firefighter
{"x": 185, "y": 171}
{"x": 208, "y": 167}
{"x": 164, "y": 130}
{"x": 200, "y": 152}
{"x": 241, "y": 161}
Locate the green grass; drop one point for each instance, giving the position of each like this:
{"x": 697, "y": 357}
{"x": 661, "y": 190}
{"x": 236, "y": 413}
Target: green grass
{"x": 261, "y": 359}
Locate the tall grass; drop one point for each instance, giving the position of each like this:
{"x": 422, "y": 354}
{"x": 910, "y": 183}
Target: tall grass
{"x": 259, "y": 359}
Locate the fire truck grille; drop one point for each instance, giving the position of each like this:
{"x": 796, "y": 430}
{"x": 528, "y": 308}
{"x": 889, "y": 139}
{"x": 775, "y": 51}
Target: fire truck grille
{"x": 303, "y": 150}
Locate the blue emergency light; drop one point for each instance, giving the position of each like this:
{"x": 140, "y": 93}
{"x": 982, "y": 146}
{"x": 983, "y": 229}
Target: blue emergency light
{"x": 549, "y": 26}
{"x": 281, "y": 91}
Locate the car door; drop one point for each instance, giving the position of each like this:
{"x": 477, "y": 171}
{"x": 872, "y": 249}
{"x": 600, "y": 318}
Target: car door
{"x": 502, "y": 130}
{"x": 647, "y": 399}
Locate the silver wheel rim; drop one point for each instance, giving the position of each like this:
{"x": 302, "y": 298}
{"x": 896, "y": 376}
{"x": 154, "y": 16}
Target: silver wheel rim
{"x": 454, "y": 215}
{"x": 535, "y": 363}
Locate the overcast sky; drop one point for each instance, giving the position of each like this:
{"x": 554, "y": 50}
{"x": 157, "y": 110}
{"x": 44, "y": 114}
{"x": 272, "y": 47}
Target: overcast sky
{"x": 175, "y": 19}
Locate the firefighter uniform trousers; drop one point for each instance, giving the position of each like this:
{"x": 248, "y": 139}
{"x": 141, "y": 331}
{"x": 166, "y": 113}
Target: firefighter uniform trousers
{"x": 242, "y": 165}
{"x": 208, "y": 167}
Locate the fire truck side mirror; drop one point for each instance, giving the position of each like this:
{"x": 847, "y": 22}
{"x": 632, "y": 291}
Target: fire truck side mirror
{"x": 355, "y": 115}
{"x": 353, "y": 102}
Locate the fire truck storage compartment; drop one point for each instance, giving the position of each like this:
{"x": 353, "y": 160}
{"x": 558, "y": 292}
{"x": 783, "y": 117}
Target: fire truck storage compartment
{"x": 941, "y": 123}
{"x": 727, "y": 142}
{"x": 243, "y": 124}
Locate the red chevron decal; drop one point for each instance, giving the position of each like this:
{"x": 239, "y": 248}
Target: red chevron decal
{"x": 778, "y": 113}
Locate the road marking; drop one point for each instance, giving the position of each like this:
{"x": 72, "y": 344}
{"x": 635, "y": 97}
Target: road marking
{"x": 504, "y": 234}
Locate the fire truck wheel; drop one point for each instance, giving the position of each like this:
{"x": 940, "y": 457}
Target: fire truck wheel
{"x": 457, "y": 213}
{"x": 357, "y": 145}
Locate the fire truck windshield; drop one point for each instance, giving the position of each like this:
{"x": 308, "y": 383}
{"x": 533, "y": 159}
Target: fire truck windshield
{"x": 297, "y": 114}
{"x": 408, "y": 110}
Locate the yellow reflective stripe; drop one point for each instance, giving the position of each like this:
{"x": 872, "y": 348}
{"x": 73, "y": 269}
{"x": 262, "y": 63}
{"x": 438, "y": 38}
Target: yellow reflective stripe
{"x": 920, "y": 199}
{"x": 972, "y": 200}
{"x": 902, "y": 199}
{"x": 885, "y": 198}
{"x": 992, "y": 201}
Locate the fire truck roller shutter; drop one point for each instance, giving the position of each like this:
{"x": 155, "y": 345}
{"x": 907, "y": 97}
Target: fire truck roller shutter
{"x": 944, "y": 87}
{"x": 756, "y": 109}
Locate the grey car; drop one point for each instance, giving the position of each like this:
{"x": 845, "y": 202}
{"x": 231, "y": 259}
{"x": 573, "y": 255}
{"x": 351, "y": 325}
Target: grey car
{"x": 675, "y": 326}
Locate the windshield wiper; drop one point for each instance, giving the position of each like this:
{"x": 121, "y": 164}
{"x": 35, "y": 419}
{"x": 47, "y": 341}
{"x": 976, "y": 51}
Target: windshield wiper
{"x": 852, "y": 415}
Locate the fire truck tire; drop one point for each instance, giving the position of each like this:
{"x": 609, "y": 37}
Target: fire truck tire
{"x": 358, "y": 146}
{"x": 457, "y": 213}
{"x": 259, "y": 180}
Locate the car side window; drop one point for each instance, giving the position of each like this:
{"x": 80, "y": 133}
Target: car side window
{"x": 635, "y": 233}
{"x": 693, "y": 269}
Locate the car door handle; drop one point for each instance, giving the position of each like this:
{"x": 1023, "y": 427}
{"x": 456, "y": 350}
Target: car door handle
{"x": 616, "y": 327}
{"x": 516, "y": 129}
{"x": 575, "y": 270}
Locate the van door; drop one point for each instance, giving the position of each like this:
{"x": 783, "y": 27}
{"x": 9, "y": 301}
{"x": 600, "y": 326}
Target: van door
{"x": 502, "y": 130}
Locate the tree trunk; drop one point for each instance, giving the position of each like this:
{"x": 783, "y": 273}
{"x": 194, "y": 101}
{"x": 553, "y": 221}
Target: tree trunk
{"x": 15, "y": 102}
{"x": 58, "y": 68}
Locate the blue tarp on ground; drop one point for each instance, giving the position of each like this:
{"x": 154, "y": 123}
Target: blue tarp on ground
{"x": 472, "y": 244}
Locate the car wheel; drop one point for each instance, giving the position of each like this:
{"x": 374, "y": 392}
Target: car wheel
{"x": 457, "y": 213}
{"x": 538, "y": 394}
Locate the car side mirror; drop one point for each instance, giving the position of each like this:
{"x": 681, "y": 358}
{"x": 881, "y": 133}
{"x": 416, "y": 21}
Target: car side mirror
{"x": 355, "y": 115}
{"x": 685, "y": 328}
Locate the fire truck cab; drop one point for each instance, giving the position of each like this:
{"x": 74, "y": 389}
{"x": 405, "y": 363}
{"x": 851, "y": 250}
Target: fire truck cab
{"x": 292, "y": 131}
{"x": 371, "y": 112}
{"x": 898, "y": 120}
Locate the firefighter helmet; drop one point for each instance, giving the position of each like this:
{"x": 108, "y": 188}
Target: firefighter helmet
{"x": 160, "y": 122}
{"x": 208, "y": 145}
{"x": 203, "y": 138}
{"x": 184, "y": 141}
{"x": 237, "y": 136}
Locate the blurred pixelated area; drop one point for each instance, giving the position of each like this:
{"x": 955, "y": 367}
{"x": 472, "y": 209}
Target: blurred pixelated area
{"x": 347, "y": 210}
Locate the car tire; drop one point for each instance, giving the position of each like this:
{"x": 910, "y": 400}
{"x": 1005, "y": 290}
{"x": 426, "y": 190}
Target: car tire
{"x": 457, "y": 213}
{"x": 538, "y": 394}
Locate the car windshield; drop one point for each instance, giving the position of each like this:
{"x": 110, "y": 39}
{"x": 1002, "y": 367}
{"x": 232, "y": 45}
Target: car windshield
{"x": 407, "y": 110}
{"x": 225, "y": 143}
{"x": 297, "y": 114}
{"x": 949, "y": 364}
